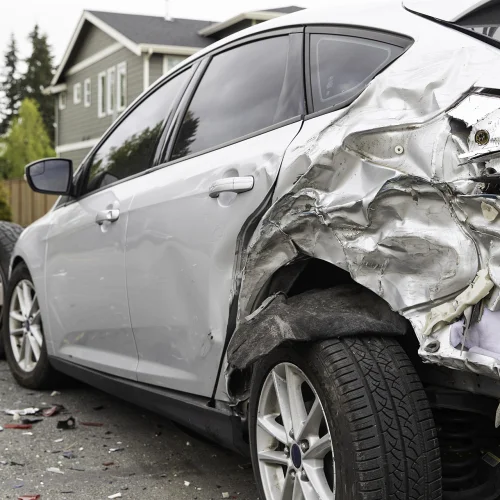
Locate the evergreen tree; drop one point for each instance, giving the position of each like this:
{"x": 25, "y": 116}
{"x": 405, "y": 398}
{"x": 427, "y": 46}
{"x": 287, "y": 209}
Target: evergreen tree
{"x": 10, "y": 86}
{"x": 38, "y": 76}
{"x": 26, "y": 141}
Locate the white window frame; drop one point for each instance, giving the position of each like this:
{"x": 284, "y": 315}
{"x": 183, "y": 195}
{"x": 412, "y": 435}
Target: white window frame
{"x": 166, "y": 65}
{"x": 62, "y": 99}
{"x": 87, "y": 92}
{"x": 77, "y": 93}
{"x": 111, "y": 91}
{"x": 121, "y": 73}
{"x": 101, "y": 94}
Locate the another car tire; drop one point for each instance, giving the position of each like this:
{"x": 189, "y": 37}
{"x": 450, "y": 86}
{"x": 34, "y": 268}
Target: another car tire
{"x": 9, "y": 234}
{"x": 37, "y": 374}
{"x": 382, "y": 431}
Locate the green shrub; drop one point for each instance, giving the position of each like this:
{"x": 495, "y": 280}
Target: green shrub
{"x": 5, "y": 211}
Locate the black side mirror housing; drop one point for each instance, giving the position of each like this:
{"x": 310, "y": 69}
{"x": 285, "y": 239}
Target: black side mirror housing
{"x": 50, "y": 176}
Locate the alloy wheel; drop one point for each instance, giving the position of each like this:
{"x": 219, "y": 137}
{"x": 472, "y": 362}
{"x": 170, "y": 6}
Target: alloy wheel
{"x": 294, "y": 447}
{"x": 25, "y": 327}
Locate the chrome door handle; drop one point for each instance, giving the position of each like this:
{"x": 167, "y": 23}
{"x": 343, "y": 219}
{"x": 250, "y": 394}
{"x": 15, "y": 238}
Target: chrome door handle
{"x": 231, "y": 185}
{"x": 111, "y": 215}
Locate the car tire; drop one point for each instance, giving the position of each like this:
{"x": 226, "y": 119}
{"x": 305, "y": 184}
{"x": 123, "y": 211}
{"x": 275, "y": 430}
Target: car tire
{"x": 9, "y": 234}
{"x": 28, "y": 359}
{"x": 383, "y": 442}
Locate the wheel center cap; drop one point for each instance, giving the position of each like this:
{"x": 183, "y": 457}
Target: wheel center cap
{"x": 296, "y": 455}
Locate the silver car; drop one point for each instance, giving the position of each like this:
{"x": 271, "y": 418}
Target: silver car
{"x": 291, "y": 244}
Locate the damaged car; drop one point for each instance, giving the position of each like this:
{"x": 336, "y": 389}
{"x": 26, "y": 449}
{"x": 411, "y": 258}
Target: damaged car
{"x": 291, "y": 244}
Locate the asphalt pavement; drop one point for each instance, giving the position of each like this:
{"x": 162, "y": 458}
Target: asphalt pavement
{"x": 129, "y": 451}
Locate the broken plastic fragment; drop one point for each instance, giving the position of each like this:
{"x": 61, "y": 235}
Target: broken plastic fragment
{"x": 68, "y": 454}
{"x": 225, "y": 495}
{"x": 113, "y": 450}
{"x": 55, "y": 393}
{"x": 29, "y": 497}
{"x": 24, "y": 412}
{"x": 18, "y": 426}
{"x": 445, "y": 313}
{"x": 67, "y": 424}
{"x": 186, "y": 483}
{"x": 55, "y": 470}
{"x": 54, "y": 410}
{"x": 116, "y": 495}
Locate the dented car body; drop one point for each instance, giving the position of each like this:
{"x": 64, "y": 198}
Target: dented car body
{"x": 370, "y": 211}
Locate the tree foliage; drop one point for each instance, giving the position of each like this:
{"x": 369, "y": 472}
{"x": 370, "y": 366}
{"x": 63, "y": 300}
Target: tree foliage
{"x": 26, "y": 142}
{"x": 10, "y": 86}
{"x": 38, "y": 75}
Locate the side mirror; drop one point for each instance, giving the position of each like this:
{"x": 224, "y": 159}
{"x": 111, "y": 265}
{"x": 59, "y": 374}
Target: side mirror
{"x": 50, "y": 176}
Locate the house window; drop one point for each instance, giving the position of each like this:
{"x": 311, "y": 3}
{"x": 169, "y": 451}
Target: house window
{"x": 77, "y": 93}
{"x": 87, "y": 93}
{"x": 62, "y": 100}
{"x": 121, "y": 95}
{"x": 111, "y": 90}
{"x": 171, "y": 61}
{"x": 101, "y": 90}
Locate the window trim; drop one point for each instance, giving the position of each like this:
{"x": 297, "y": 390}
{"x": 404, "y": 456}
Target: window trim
{"x": 111, "y": 107}
{"x": 63, "y": 100}
{"x": 190, "y": 92}
{"x": 376, "y": 35}
{"x": 121, "y": 70}
{"x": 87, "y": 92}
{"x": 77, "y": 93}
{"x": 102, "y": 84}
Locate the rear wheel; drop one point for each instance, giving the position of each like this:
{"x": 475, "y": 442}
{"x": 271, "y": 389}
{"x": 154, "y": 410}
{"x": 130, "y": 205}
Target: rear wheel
{"x": 344, "y": 419}
{"x": 9, "y": 234}
{"x": 23, "y": 336}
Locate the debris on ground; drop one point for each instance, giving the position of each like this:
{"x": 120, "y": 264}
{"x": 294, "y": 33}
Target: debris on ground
{"x": 55, "y": 470}
{"x": 66, "y": 425}
{"x": 29, "y": 497}
{"x": 55, "y": 393}
{"x": 186, "y": 483}
{"x": 53, "y": 410}
{"x": 68, "y": 454}
{"x": 18, "y": 426}
{"x": 23, "y": 413}
{"x": 31, "y": 420}
{"x": 91, "y": 424}
{"x": 60, "y": 440}
{"x": 116, "y": 495}
{"x": 113, "y": 450}
{"x": 225, "y": 495}
{"x": 108, "y": 464}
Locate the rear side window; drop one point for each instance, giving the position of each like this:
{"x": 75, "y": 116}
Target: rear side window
{"x": 243, "y": 90}
{"x": 342, "y": 67}
{"x": 130, "y": 147}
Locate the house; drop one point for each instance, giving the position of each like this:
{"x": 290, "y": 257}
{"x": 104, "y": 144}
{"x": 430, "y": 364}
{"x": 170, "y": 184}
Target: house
{"x": 112, "y": 58}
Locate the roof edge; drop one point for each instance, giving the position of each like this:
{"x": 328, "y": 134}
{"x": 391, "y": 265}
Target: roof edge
{"x": 258, "y": 15}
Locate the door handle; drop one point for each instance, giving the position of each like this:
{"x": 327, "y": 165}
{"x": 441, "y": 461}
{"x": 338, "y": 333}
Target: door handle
{"x": 231, "y": 185}
{"x": 110, "y": 215}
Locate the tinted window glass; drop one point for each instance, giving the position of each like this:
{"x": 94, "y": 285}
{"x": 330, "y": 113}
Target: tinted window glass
{"x": 342, "y": 66}
{"x": 242, "y": 91}
{"x": 130, "y": 147}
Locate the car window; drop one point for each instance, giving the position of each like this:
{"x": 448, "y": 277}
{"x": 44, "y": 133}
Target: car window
{"x": 243, "y": 90}
{"x": 342, "y": 67}
{"x": 130, "y": 147}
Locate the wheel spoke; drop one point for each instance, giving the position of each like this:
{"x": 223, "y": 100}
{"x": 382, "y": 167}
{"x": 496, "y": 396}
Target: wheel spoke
{"x": 16, "y": 315}
{"x": 310, "y": 428}
{"x": 280, "y": 386}
{"x": 27, "y": 353}
{"x": 37, "y": 334}
{"x": 35, "y": 346}
{"x": 288, "y": 486}
{"x": 308, "y": 492}
{"x": 317, "y": 479}
{"x": 318, "y": 449}
{"x": 297, "y": 408}
{"x": 273, "y": 457}
{"x": 26, "y": 298}
{"x": 17, "y": 333}
{"x": 269, "y": 424}
{"x": 297, "y": 490}
{"x": 33, "y": 306}
{"x": 36, "y": 317}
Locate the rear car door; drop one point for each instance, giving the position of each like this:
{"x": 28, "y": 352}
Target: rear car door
{"x": 188, "y": 216}
{"x": 88, "y": 310}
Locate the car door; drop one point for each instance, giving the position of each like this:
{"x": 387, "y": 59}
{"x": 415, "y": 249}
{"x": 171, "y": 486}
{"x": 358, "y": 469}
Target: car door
{"x": 85, "y": 267}
{"x": 187, "y": 216}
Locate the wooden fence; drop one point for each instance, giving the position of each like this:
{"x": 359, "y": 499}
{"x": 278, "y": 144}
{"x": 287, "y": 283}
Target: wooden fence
{"x": 26, "y": 205}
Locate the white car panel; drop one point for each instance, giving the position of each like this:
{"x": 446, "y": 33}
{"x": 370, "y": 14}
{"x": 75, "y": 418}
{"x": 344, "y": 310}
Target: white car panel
{"x": 85, "y": 273}
{"x": 181, "y": 251}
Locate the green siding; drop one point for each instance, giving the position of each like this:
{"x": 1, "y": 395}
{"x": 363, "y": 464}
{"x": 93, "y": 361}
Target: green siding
{"x": 90, "y": 41}
{"x": 78, "y": 123}
{"x": 155, "y": 68}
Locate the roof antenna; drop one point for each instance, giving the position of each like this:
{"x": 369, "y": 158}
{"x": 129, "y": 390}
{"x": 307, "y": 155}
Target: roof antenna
{"x": 168, "y": 17}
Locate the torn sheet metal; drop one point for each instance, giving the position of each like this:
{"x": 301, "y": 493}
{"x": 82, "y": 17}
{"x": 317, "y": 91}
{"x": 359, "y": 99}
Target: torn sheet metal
{"x": 392, "y": 190}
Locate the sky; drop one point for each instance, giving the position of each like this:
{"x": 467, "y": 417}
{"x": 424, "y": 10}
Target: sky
{"x": 58, "y": 18}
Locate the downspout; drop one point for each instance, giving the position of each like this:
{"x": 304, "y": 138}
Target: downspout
{"x": 146, "y": 58}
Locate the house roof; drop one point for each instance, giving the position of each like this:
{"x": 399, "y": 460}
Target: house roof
{"x": 156, "y": 30}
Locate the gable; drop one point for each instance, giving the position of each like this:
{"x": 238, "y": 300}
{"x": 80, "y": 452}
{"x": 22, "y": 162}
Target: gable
{"x": 90, "y": 41}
